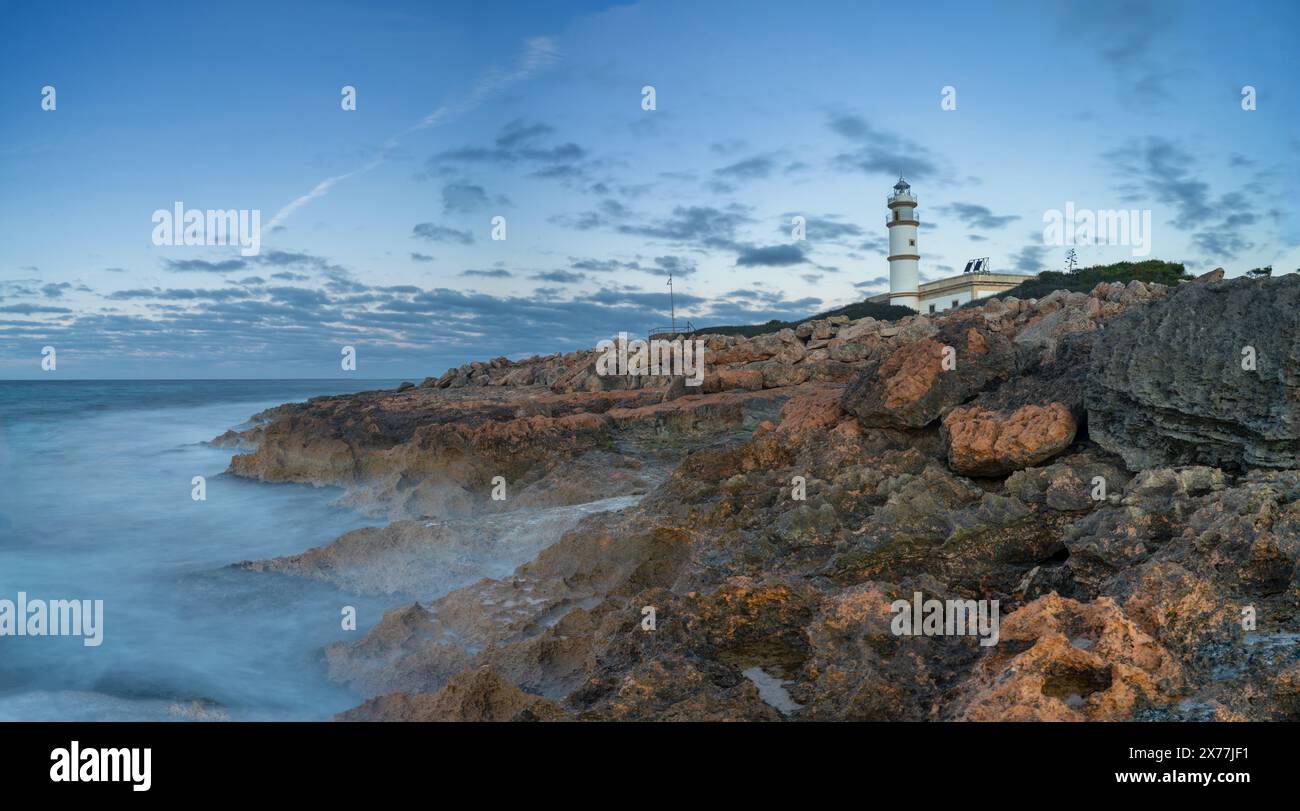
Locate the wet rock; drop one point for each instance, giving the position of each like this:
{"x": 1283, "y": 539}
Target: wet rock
{"x": 479, "y": 695}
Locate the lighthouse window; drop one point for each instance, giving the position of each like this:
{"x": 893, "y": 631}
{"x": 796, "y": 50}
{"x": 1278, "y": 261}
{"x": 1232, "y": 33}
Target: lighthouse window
{"x": 931, "y": 308}
{"x": 911, "y": 242}
{"x": 896, "y": 214}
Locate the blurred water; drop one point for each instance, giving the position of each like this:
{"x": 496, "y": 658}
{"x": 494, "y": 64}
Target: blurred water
{"x": 95, "y": 504}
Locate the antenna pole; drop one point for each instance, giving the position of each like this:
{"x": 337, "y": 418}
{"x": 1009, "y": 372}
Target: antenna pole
{"x": 672, "y": 304}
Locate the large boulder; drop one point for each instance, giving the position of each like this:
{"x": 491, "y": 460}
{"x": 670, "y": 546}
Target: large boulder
{"x": 912, "y": 387}
{"x": 991, "y": 443}
{"x": 1172, "y": 382}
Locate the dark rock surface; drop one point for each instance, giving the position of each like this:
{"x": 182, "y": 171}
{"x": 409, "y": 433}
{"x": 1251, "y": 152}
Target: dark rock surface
{"x": 1167, "y": 385}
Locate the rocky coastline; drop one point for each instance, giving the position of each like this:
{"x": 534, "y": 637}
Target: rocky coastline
{"x": 1119, "y": 470}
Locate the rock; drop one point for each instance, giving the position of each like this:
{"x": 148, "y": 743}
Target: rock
{"x": 910, "y": 388}
{"x": 479, "y": 695}
{"x": 1061, "y": 660}
{"x": 777, "y": 374}
{"x": 773, "y": 517}
{"x": 994, "y": 443}
{"x": 1215, "y": 275}
{"x": 744, "y": 378}
{"x": 1069, "y": 484}
{"x": 857, "y": 329}
{"x": 678, "y": 388}
{"x": 1166, "y": 384}
{"x": 1043, "y": 335}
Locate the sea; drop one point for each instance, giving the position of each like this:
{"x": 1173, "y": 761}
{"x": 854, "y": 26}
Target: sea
{"x": 96, "y": 504}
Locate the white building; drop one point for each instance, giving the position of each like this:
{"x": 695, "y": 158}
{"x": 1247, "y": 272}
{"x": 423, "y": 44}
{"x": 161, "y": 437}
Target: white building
{"x": 905, "y": 287}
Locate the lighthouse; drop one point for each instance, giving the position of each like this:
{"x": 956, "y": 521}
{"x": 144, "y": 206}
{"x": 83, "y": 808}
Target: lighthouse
{"x": 904, "y": 279}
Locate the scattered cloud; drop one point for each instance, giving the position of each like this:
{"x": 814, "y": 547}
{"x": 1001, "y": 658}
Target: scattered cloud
{"x": 771, "y": 256}
{"x": 441, "y": 233}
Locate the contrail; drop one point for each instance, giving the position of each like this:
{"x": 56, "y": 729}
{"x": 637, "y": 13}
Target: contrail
{"x": 539, "y": 54}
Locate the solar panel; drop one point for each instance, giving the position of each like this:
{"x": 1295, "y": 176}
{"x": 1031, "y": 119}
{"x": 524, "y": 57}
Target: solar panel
{"x": 968, "y": 266}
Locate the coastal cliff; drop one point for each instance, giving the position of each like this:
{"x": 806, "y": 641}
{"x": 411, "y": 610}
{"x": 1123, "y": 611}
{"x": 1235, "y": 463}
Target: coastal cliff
{"x": 1104, "y": 465}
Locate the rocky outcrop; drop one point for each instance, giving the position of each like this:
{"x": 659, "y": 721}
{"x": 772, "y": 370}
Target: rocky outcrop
{"x": 923, "y": 380}
{"x": 993, "y": 443}
{"x": 1070, "y": 661}
{"x": 736, "y": 552}
{"x": 1209, "y": 375}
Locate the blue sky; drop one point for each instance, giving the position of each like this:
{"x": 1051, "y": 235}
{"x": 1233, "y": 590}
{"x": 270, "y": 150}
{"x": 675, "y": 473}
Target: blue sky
{"x": 532, "y": 111}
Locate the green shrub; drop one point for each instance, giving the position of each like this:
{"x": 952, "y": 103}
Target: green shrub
{"x": 1084, "y": 280}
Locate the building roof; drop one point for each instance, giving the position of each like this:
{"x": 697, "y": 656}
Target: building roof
{"x": 962, "y": 280}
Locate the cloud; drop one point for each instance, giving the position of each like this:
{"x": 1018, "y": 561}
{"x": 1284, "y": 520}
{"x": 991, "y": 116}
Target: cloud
{"x": 978, "y": 216}
{"x": 440, "y": 233}
{"x": 298, "y": 327}
{"x": 1030, "y": 258}
{"x": 1161, "y": 168}
{"x": 539, "y": 54}
{"x": 460, "y": 197}
{"x": 877, "y": 281}
{"x": 670, "y": 266}
{"x": 878, "y": 245}
{"x": 220, "y": 294}
{"x": 702, "y": 226}
{"x": 420, "y": 257}
{"x": 1133, "y": 39}
{"x": 495, "y": 273}
{"x": 520, "y": 143}
{"x": 33, "y": 309}
{"x": 826, "y": 228}
{"x": 875, "y": 151}
{"x": 603, "y": 265}
{"x": 771, "y": 256}
{"x": 273, "y": 259}
{"x": 1227, "y": 243}
{"x": 752, "y": 168}
{"x": 203, "y": 265}
{"x": 558, "y": 276}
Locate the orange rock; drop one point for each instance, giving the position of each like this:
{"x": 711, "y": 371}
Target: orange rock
{"x": 910, "y": 372}
{"x": 992, "y": 443}
{"x": 1062, "y": 660}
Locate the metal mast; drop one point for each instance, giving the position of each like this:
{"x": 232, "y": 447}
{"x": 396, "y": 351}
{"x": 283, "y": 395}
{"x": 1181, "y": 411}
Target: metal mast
{"x": 672, "y": 304}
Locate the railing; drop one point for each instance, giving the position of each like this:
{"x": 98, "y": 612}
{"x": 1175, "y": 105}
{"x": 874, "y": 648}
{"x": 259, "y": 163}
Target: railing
{"x": 896, "y": 196}
{"x": 889, "y": 217}
{"x": 687, "y": 329}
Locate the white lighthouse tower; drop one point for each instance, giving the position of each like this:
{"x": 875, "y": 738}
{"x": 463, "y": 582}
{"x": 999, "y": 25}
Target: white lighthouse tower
{"x": 904, "y": 278}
